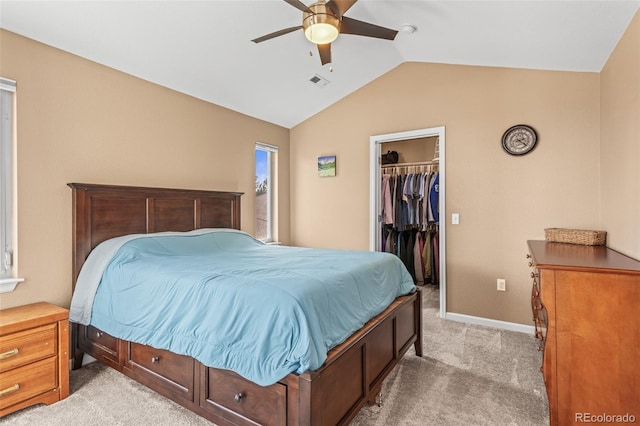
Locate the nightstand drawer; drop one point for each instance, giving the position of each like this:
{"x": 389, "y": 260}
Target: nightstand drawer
{"x": 27, "y": 346}
{"x": 26, "y": 382}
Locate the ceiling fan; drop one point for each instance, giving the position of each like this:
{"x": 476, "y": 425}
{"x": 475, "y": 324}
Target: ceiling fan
{"x": 323, "y": 21}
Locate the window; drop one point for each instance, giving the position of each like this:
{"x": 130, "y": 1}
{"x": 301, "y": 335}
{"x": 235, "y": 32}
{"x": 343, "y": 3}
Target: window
{"x": 7, "y": 91}
{"x": 265, "y": 191}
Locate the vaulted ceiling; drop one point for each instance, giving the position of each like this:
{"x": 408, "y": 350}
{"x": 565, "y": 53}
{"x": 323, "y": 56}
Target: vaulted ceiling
{"x": 204, "y": 48}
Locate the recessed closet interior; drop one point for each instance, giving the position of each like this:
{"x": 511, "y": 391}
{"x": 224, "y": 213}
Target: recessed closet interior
{"x": 409, "y": 207}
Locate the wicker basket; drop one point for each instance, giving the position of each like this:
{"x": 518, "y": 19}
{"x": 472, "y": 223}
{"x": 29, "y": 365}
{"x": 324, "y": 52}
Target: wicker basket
{"x": 576, "y": 236}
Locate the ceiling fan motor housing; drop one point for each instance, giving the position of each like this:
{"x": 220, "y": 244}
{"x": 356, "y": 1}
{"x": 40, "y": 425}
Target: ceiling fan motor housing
{"x": 321, "y": 20}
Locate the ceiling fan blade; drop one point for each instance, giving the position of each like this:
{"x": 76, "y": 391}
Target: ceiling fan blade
{"x": 355, "y": 27}
{"x": 325, "y": 53}
{"x": 299, "y": 5}
{"x": 340, "y": 7}
{"x": 276, "y": 34}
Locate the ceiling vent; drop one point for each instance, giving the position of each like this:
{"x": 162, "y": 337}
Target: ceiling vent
{"x": 319, "y": 81}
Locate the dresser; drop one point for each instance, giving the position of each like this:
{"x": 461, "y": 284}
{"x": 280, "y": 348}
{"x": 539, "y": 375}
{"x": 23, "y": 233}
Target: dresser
{"x": 586, "y": 310}
{"x": 34, "y": 356}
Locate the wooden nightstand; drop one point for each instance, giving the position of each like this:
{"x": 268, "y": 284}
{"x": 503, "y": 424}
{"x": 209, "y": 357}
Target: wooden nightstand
{"x": 34, "y": 356}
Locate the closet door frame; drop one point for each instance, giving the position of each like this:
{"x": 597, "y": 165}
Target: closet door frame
{"x": 375, "y": 163}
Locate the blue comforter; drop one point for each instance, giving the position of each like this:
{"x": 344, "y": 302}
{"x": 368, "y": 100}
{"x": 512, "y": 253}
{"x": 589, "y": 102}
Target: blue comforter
{"x": 232, "y": 302}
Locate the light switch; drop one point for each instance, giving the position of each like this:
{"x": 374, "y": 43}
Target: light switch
{"x": 455, "y": 218}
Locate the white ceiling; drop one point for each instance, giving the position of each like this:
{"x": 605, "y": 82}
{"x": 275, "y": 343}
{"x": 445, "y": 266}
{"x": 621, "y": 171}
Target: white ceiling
{"x": 204, "y": 48}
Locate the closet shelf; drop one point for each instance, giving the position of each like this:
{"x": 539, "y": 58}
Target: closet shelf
{"x": 415, "y": 163}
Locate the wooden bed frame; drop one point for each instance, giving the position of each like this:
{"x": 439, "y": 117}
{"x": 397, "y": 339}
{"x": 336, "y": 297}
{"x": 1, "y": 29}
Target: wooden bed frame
{"x": 351, "y": 377}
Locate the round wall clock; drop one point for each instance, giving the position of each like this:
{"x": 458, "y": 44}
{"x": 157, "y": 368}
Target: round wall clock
{"x": 519, "y": 140}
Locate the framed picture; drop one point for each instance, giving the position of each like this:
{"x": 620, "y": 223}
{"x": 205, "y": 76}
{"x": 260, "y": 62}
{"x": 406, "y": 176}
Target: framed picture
{"x": 327, "y": 165}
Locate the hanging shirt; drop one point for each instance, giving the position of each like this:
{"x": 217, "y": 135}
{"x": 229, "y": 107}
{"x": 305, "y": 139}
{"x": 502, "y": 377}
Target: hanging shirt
{"x": 387, "y": 206}
{"x": 433, "y": 198}
{"x": 427, "y": 256}
{"x": 425, "y": 200}
{"x": 420, "y": 201}
{"x": 430, "y": 217}
{"x": 417, "y": 259}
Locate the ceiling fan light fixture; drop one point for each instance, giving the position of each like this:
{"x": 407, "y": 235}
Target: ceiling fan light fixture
{"x": 321, "y": 33}
{"x": 321, "y": 26}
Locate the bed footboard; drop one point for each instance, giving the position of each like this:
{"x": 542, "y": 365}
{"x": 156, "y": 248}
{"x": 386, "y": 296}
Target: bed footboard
{"x": 354, "y": 372}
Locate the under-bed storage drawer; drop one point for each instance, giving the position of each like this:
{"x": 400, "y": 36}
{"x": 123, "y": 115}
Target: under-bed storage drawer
{"x": 173, "y": 372}
{"x": 98, "y": 343}
{"x": 101, "y": 338}
{"x": 224, "y": 390}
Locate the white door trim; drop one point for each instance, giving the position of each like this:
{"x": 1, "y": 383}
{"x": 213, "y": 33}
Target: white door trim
{"x": 374, "y": 195}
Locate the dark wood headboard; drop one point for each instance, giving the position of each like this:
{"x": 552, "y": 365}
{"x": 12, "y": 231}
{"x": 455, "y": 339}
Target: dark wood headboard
{"x": 101, "y": 212}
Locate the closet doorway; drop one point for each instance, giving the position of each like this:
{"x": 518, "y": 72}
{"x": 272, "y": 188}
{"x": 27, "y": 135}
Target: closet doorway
{"x": 416, "y": 158}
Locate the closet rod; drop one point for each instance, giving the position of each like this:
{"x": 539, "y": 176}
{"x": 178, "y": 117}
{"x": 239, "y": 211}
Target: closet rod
{"x": 416, "y": 163}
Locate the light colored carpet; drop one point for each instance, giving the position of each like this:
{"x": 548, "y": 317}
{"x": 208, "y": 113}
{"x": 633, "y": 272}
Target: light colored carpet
{"x": 468, "y": 375}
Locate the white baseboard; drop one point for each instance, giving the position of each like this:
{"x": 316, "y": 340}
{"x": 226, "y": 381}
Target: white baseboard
{"x": 487, "y": 322}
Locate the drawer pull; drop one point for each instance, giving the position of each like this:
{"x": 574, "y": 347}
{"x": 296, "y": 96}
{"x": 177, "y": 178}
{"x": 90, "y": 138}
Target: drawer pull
{"x": 9, "y": 390}
{"x": 530, "y": 264}
{"x": 534, "y": 275}
{"x": 528, "y": 256}
{"x": 9, "y": 354}
{"x": 239, "y": 397}
{"x": 99, "y": 334}
{"x": 155, "y": 359}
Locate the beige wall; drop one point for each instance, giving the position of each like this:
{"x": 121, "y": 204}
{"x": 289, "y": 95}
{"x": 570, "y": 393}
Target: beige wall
{"x": 620, "y": 143}
{"x": 82, "y": 122}
{"x": 502, "y": 200}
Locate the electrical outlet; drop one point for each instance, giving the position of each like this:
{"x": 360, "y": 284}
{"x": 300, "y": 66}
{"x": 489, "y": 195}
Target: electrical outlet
{"x": 502, "y": 284}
